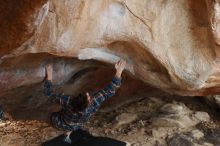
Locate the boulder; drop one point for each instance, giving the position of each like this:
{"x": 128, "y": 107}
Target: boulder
{"x": 181, "y": 140}
{"x": 202, "y": 116}
{"x": 178, "y": 115}
{"x": 186, "y": 140}
{"x": 197, "y": 134}
{"x": 166, "y": 44}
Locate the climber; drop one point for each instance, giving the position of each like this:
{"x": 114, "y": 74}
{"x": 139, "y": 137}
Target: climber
{"x": 77, "y": 110}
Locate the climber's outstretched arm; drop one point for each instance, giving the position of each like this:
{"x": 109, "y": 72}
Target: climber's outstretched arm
{"x": 111, "y": 88}
{"x": 60, "y": 98}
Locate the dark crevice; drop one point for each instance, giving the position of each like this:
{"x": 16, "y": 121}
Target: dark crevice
{"x": 81, "y": 73}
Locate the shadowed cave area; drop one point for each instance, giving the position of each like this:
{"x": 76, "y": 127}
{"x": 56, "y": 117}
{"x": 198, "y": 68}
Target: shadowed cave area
{"x": 70, "y": 76}
{"x": 136, "y": 105}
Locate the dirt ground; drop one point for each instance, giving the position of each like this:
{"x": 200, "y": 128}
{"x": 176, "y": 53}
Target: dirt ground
{"x": 131, "y": 123}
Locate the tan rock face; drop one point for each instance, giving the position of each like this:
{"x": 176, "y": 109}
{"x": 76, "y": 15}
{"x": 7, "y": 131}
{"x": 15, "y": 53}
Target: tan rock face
{"x": 172, "y": 45}
{"x": 19, "y": 20}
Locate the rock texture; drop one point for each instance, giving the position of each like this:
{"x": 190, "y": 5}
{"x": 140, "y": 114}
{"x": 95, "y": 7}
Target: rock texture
{"x": 174, "y": 115}
{"x": 140, "y": 132}
{"x": 217, "y": 100}
{"x": 172, "y": 45}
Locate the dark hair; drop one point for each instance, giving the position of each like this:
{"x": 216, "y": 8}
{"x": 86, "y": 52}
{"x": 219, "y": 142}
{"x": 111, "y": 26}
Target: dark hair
{"x": 79, "y": 103}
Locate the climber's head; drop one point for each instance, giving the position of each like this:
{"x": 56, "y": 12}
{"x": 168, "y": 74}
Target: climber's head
{"x": 81, "y": 102}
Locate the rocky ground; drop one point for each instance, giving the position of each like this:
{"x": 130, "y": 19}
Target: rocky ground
{"x": 147, "y": 122}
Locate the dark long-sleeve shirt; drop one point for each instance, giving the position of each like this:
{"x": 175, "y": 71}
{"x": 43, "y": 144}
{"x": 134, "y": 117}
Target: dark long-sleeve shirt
{"x": 77, "y": 119}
